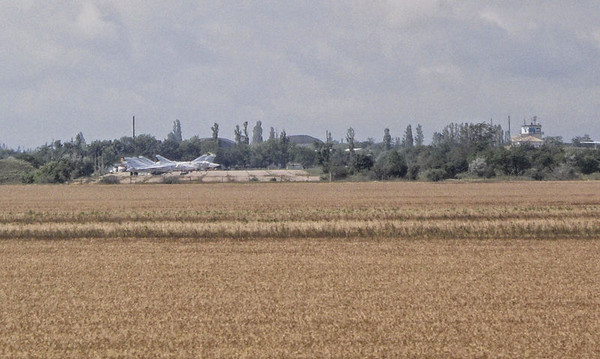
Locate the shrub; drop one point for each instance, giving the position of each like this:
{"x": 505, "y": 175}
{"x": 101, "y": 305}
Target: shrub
{"x": 111, "y": 179}
{"x": 413, "y": 172}
{"x": 478, "y": 167}
{"x": 564, "y": 172}
{"x": 434, "y": 174}
{"x": 339, "y": 172}
{"x": 390, "y": 165}
{"x": 589, "y": 164}
{"x": 361, "y": 162}
{"x": 170, "y": 180}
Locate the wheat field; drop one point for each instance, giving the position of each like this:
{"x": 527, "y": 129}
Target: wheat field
{"x": 301, "y": 270}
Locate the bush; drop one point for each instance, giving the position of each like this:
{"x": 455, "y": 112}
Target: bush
{"x": 28, "y": 178}
{"x": 110, "y": 180}
{"x": 564, "y": 172}
{"x": 170, "y": 180}
{"x": 339, "y": 172}
{"x": 390, "y": 165}
{"x": 478, "y": 167}
{"x": 361, "y": 162}
{"x": 537, "y": 174}
{"x": 434, "y": 174}
{"x": 413, "y": 172}
{"x": 53, "y": 172}
{"x": 589, "y": 164}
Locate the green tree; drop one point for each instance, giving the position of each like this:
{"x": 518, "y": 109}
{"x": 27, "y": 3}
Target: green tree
{"x": 284, "y": 146}
{"x": 237, "y": 133}
{"x": 589, "y": 163}
{"x": 361, "y": 163}
{"x": 350, "y": 140}
{"x": 306, "y": 156}
{"x": 257, "y": 132}
{"x": 407, "y": 141}
{"x": 190, "y": 148}
{"x": 147, "y": 145}
{"x": 170, "y": 149}
{"x": 272, "y": 134}
{"x": 245, "y": 137}
{"x": 328, "y": 137}
{"x": 215, "y": 132}
{"x": 175, "y": 135}
{"x": 390, "y": 164}
{"x": 419, "y": 137}
{"x": 387, "y": 139}
{"x": 324, "y": 152}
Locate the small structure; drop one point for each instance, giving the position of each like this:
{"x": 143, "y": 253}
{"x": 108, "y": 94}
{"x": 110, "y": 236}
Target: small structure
{"x": 531, "y": 134}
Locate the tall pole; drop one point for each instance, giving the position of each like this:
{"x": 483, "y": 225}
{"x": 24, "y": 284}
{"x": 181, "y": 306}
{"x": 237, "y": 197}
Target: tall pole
{"x": 134, "y": 127}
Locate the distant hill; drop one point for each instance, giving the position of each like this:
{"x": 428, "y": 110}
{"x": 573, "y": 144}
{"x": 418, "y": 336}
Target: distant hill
{"x": 303, "y": 140}
{"x": 11, "y": 170}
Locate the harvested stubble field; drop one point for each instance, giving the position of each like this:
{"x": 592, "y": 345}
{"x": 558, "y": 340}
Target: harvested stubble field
{"x": 301, "y": 270}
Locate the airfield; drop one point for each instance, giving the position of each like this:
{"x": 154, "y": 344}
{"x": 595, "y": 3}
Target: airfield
{"x": 221, "y": 176}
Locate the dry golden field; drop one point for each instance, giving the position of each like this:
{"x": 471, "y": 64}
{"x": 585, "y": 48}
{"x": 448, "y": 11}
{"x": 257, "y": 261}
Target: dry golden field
{"x": 301, "y": 270}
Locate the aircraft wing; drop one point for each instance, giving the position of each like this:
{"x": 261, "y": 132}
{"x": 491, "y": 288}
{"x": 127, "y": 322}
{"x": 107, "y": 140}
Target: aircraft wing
{"x": 200, "y": 159}
{"x": 134, "y": 163}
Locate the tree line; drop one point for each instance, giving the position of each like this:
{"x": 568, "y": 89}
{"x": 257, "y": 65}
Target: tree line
{"x": 459, "y": 150}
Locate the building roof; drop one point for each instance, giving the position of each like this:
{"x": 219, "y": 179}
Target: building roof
{"x": 526, "y": 138}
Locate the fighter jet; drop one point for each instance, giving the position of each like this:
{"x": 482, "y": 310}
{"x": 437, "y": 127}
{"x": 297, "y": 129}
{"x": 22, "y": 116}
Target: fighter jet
{"x": 141, "y": 164}
{"x": 203, "y": 163}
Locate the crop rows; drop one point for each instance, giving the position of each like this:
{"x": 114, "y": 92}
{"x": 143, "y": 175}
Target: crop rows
{"x": 283, "y": 211}
{"x": 300, "y": 270}
{"x": 584, "y": 228}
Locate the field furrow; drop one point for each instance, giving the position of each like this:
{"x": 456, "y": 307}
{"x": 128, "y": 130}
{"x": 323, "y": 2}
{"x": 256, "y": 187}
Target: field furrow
{"x": 346, "y": 270}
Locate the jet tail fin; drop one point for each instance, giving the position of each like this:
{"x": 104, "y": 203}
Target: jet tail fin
{"x": 163, "y": 160}
{"x": 200, "y": 159}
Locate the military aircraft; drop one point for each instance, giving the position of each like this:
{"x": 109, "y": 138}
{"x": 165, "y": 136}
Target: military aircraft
{"x": 141, "y": 164}
{"x": 202, "y": 163}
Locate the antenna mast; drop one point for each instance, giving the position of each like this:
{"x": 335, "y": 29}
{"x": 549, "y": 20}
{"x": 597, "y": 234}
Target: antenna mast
{"x": 133, "y": 127}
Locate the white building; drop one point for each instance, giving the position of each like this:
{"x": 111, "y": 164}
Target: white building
{"x": 531, "y": 134}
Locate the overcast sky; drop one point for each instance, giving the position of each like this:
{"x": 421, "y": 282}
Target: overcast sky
{"x": 302, "y": 66}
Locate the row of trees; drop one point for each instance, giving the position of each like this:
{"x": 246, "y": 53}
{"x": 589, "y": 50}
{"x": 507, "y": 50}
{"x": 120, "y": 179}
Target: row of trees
{"x": 465, "y": 150}
{"x": 457, "y": 151}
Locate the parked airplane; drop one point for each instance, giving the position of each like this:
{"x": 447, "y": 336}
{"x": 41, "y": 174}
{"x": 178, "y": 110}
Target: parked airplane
{"x": 136, "y": 165}
{"x": 142, "y": 164}
{"x": 204, "y": 162}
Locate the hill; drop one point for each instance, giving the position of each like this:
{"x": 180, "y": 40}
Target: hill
{"x": 11, "y": 170}
{"x": 303, "y": 140}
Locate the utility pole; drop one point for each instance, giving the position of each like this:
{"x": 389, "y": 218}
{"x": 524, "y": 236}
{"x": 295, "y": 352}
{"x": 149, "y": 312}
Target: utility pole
{"x": 134, "y": 127}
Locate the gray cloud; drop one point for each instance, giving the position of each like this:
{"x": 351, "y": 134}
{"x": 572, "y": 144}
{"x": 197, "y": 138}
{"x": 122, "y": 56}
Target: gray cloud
{"x": 303, "y": 66}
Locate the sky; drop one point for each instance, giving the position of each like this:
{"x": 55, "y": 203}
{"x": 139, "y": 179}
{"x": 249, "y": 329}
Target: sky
{"x": 300, "y": 66}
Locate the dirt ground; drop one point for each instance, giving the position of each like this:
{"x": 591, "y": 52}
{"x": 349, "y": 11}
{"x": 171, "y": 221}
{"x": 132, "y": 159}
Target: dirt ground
{"x": 233, "y": 176}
